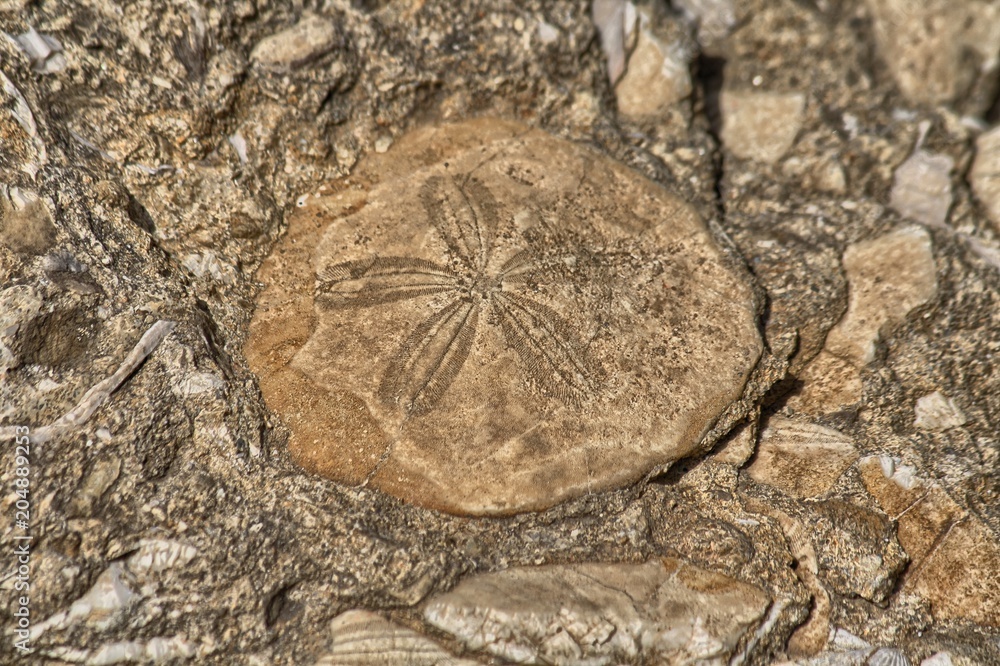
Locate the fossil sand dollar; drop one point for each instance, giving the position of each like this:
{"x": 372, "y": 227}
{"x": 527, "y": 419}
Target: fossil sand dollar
{"x": 488, "y": 319}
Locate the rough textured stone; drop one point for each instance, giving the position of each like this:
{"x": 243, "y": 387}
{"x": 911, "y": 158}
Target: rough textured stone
{"x": 937, "y": 50}
{"x": 921, "y": 189}
{"x": 308, "y": 39}
{"x": 657, "y": 75}
{"x": 661, "y": 612}
{"x": 803, "y": 459}
{"x": 955, "y": 557}
{"x": 25, "y": 223}
{"x": 761, "y": 126}
{"x": 984, "y": 176}
{"x": 715, "y": 18}
{"x": 167, "y": 160}
{"x": 485, "y": 324}
{"x": 829, "y": 384}
{"x": 888, "y": 276}
{"x": 936, "y": 411}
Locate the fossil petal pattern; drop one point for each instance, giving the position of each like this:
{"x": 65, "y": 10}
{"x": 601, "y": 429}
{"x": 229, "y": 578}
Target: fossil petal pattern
{"x": 488, "y": 319}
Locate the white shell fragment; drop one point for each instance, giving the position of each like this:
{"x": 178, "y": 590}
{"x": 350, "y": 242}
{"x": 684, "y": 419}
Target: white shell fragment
{"x": 44, "y": 51}
{"x": 361, "y": 638}
{"x": 100, "y": 392}
{"x": 921, "y": 189}
{"x": 492, "y": 329}
{"x": 936, "y": 411}
{"x": 662, "y": 612}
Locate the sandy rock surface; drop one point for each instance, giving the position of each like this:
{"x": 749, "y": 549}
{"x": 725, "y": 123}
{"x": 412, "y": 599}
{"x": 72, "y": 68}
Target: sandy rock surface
{"x": 158, "y": 160}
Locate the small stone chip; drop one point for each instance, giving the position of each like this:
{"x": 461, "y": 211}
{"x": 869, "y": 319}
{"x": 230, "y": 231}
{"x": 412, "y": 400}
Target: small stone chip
{"x": 494, "y": 320}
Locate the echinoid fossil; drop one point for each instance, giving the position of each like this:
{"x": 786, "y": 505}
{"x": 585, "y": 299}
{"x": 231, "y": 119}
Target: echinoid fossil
{"x": 488, "y": 319}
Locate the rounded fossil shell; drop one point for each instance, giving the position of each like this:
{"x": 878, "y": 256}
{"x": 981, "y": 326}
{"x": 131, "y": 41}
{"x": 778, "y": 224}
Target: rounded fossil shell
{"x": 362, "y": 638}
{"x": 487, "y": 319}
{"x": 887, "y": 656}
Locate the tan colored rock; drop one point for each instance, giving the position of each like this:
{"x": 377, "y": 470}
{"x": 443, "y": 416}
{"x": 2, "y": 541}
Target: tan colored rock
{"x": 955, "y": 556}
{"x": 738, "y": 446}
{"x": 25, "y": 223}
{"x": 802, "y": 459}
{"x": 761, "y": 126}
{"x": 657, "y": 76}
{"x": 936, "y": 49}
{"x": 895, "y": 487}
{"x": 888, "y": 277}
{"x": 362, "y": 638}
{"x": 715, "y": 18}
{"x": 310, "y": 38}
{"x": 829, "y": 384}
{"x": 984, "y": 176}
{"x": 921, "y": 188}
{"x": 662, "y": 612}
{"x": 961, "y": 576}
{"x": 936, "y": 411}
{"x": 485, "y": 326}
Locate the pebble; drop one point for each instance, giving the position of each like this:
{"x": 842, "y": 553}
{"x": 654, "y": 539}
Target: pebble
{"x": 657, "y": 76}
{"x": 888, "y": 277}
{"x": 761, "y": 126}
{"x": 715, "y": 18}
{"x": 26, "y": 225}
{"x": 801, "y": 458}
{"x": 44, "y": 51}
{"x": 955, "y": 558}
{"x": 937, "y": 49}
{"x": 829, "y": 384}
{"x": 310, "y": 38}
{"x": 19, "y": 305}
{"x": 483, "y": 343}
{"x": 984, "y": 176}
{"x": 936, "y": 411}
{"x": 921, "y": 188}
{"x": 102, "y": 476}
{"x": 662, "y": 611}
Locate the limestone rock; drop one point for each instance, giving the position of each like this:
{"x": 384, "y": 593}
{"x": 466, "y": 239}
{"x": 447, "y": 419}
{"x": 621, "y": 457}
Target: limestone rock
{"x": 662, "y": 612}
{"x": 657, "y": 76}
{"x": 482, "y": 329}
{"x": 310, "y": 38}
{"x": 829, "y": 384}
{"x": 984, "y": 176}
{"x": 921, "y": 188}
{"x": 803, "y": 459}
{"x": 362, "y": 638}
{"x": 761, "y": 126}
{"x": 955, "y": 556}
{"x": 936, "y": 50}
{"x": 888, "y": 277}
{"x": 25, "y": 223}
{"x": 715, "y": 18}
{"x": 936, "y": 411}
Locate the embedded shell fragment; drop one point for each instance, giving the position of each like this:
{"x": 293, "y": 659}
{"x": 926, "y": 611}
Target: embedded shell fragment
{"x": 493, "y": 320}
